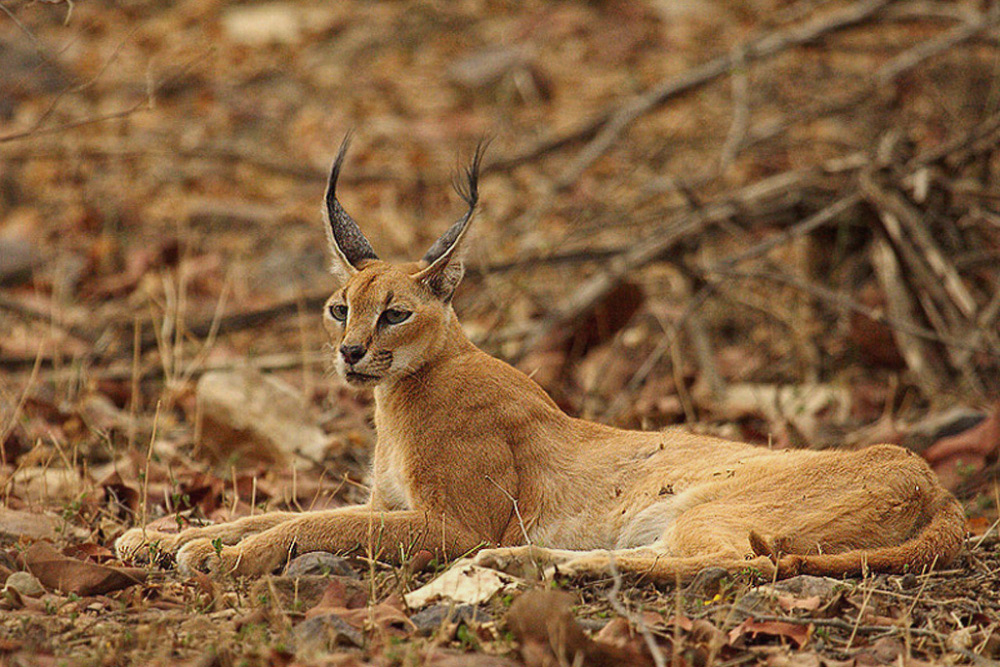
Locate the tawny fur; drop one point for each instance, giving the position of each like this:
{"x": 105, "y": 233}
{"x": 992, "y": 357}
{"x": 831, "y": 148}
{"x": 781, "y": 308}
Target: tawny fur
{"x": 472, "y": 453}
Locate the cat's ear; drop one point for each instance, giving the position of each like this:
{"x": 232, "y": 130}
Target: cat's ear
{"x": 349, "y": 249}
{"x": 444, "y": 260}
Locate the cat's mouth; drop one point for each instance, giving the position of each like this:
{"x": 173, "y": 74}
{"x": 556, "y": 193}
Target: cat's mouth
{"x": 360, "y": 379}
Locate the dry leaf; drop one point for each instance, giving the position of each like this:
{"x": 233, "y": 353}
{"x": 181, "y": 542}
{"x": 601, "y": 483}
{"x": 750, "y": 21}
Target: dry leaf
{"x": 465, "y": 584}
{"x": 954, "y": 457}
{"x": 549, "y": 635}
{"x": 793, "y": 631}
{"x": 339, "y": 596}
{"x": 790, "y": 602}
{"x": 89, "y": 551}
{"x": 69, "y": 575}
{"x": 34, "y": 525}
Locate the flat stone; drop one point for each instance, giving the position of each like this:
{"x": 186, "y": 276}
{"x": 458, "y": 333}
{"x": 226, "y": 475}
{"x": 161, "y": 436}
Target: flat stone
{"x": 428, "y": 621}
{"x": 325, "y": 633}
{"x": 259, "y": 419}
{"x": 35, "y": 525}
{"x": 26, "y": 584}
{"x": 320, "y": 563}
{"x": 806, "y": 585}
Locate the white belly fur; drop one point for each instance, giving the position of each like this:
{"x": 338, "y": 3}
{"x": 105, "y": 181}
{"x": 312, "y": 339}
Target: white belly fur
{"x": 582, "y": 531}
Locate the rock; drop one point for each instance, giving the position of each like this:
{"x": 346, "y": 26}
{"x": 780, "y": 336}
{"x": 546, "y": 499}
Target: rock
{"x": 26, "y": 584}
{"x": 806, "y": 585}
{"x": 805, "y": 406}
{"x": 257, "y": 417}
{"x": 18, "y": 259}
{"x": 765, "y": 599}
{"x": 28, "y": 74}
{"x": 35, "y": 526}
{"x": 319, "y": 563}
{"x": 263, "y": 23}
{"x": 430, "y": 620}
{"x": 483, "y": 67}
{"x": 305, "y": 592}
{"x": 324, "y": 633}
{"x": 755, "y": 603}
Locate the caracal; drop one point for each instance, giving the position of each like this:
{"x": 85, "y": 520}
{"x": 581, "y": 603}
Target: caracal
{"x": 473, "y": 455}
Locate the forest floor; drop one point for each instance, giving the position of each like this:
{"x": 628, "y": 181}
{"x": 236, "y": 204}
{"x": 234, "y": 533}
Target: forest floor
{"x": 776, "y": 222}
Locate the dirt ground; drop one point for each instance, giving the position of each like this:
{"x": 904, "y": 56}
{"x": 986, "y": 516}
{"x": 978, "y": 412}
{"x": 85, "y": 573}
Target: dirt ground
{"x": 769, "y": 220}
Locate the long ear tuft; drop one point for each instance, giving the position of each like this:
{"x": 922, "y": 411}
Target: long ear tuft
{"x": 347, "y": 244}
{"x": 444, "y": 258}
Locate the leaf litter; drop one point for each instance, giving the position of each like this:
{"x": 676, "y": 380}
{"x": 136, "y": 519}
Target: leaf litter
{"x": 141, "y": 254}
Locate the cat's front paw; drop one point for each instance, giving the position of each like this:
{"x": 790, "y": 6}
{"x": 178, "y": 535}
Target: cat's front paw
{"x": 248, "y": 558}
{"x": 591, "y": 566}
{"x": 139, "y": 545}
{"x": 521, "y": 561}
{"x": 201, "y": 555}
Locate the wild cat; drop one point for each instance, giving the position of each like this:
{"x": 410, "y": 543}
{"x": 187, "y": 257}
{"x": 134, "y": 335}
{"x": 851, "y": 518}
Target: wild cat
{"x": 473, "y": 455}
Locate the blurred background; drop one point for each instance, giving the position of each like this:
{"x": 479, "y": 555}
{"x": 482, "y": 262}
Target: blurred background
{"x": 772, "y": 220}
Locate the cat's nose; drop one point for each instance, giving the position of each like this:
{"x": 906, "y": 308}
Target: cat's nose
{"x": 352, "y": 354}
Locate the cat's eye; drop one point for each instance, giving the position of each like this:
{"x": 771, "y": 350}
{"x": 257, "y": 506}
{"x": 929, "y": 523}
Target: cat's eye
{"x": 338, "y": 311}
{"x": 395, "y": 315}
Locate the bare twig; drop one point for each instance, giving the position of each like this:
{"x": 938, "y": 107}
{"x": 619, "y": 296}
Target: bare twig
{"x": 845, "y": 301}
{"x": 741, "y": 111}
{"x": 8, "y": 428}
{"x": 920, "y": 359}
{"x": 517, "y": 511}
{"x": 615, "y": 601}
{"x": 807, "y": 226}
{"x": 939, "y": 44}
{"x": 30, "y": 313}
{"x": 759, "y": 49}
{"x": 841, "y": 624}
{"x": 145, "y": 104}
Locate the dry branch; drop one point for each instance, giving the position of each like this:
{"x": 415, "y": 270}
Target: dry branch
{"x": 609, "y": 125}
{"x": 144, "y": 104}
{"x": 920, "y": 357}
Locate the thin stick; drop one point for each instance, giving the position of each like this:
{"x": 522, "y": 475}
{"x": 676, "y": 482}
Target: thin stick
{"x": 861, "y": 612}
{"x": 847, "y": 302}
{"x": 741, "y": 110}
{"x": 29, "y": 313}
{"x": 133, "y": 407}
{"x": 616, "y": 604}
{"x": 517, "y": 511}
{"x": 145, "y": 474}
{"x": 145, "y": 104}
{"x": 765, "y": 47}
{"x": 12, "y": 422}
{"x": 939, "y": 44}
{"x": 825, "y": 215}
{"x": 840, "y": 624}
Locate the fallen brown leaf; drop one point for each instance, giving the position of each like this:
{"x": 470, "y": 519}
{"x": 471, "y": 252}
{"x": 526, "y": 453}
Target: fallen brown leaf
{"x": 955, "y": 457}
{"x": 70, "y": 575}
{"x": 338, "y": 597}
{"x": 549, "y": 635}
{"x": 790, "y": 602}
{"x": 352, "y": 607}
{"x": 793, "y": 631}
{"x": 89, "y": 551}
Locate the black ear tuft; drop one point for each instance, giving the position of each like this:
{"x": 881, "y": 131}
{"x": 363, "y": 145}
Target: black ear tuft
{"x": 444, "y": 259}
{"x": 347, "y": 242}
{"x": 468, "y": 190}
